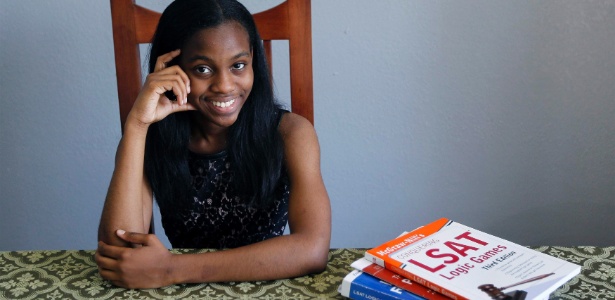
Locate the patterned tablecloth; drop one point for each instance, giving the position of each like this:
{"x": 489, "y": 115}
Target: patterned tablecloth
{"x": 73, "y": 275}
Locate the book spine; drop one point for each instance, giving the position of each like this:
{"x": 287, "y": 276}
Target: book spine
{"x": 397, "y": 280}
{"x": 363, "y": 292}
{"x": 358, "y": 285}
{"x": 426, "y": 283}
{"x": 413, "y": 277}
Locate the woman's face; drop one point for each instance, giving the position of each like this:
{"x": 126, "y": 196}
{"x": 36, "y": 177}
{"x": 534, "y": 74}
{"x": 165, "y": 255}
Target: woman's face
{"x": 218, "y": 62}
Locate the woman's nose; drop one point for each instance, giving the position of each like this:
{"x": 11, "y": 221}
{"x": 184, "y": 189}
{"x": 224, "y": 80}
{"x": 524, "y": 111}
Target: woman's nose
{"x": 223, "y": 83}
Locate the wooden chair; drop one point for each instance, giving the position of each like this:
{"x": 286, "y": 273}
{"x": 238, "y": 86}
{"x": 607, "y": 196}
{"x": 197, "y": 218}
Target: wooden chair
{"x": 291, "y": 20}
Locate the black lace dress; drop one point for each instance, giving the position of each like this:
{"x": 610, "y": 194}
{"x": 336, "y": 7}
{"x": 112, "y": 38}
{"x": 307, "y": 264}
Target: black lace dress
{"x": 217, "y": 217}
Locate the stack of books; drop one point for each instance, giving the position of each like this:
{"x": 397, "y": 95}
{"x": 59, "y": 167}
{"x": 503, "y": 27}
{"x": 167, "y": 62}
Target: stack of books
{"x": 447, "y": 260}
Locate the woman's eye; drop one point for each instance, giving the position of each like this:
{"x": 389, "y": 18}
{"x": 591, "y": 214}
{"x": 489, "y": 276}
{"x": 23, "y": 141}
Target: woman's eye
{"x": 203, "y": 70}
{"x": 239, "y": 66}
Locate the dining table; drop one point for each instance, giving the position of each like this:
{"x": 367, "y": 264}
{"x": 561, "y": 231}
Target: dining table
{"x": 73, "y": 274}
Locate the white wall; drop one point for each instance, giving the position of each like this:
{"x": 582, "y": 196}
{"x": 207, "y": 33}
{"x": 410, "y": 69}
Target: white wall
{"x": 498, "y": 114}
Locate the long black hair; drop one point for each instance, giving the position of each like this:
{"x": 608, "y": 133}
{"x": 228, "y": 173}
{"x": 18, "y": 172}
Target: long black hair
{"x": 254, "y": 145}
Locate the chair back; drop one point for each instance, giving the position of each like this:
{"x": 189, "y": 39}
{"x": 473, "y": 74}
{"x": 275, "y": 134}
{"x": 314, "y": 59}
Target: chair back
{"x": 291, "y": 20}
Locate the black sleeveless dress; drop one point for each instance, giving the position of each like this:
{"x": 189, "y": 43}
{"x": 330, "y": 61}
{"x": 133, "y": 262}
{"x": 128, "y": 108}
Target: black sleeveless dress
{"x": 216, "y": 216}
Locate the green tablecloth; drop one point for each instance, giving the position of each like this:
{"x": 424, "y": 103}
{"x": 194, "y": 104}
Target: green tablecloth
{"x": 73, "y": 274}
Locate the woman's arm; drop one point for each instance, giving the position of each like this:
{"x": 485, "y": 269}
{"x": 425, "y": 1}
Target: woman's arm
{"x": 129, "y": 200}
{"x": 305, "y": 250}
{"x": 128, "y": 204}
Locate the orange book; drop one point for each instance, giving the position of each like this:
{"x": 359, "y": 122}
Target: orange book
{"x": 461, "y": 262}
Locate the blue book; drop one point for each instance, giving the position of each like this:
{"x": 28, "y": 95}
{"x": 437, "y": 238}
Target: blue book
{"x": 359, "y": 285}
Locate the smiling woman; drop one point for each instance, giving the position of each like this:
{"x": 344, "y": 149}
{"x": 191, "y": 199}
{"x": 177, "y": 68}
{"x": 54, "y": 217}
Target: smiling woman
{"x": 228, "y": 167}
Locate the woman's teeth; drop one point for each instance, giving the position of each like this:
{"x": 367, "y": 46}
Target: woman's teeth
{"x": 223, "y": 104}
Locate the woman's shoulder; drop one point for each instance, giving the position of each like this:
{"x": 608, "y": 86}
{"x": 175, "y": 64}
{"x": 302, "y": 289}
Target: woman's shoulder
{"x": 299, "y": 137}
{"x": 293, "y": 125}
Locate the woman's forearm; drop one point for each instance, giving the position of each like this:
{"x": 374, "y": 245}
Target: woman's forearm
{"x": 125, "y": 205}
{"x": 281, "y": 257}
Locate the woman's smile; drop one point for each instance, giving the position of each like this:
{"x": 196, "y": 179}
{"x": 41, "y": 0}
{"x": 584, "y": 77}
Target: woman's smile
{"x": 223, "y": 104}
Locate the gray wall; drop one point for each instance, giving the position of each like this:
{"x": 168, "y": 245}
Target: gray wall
{"x": 497, "y": 114}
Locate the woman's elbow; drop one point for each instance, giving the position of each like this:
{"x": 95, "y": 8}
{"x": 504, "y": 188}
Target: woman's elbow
{"x": 317, "y": 257}
{"x": 319, "y": 264}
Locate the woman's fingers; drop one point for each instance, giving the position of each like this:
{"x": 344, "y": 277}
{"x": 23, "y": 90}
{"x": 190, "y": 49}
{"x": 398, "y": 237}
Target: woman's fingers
{"x": 165, "y": 65}
{"x": 109, "y": 251}
{"x": 163, "y": 60}
{"x": 174, "y": 82}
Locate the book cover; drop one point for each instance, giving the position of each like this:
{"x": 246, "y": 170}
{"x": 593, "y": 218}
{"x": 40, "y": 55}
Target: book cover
{"x": 464, "y": 263}
{"x": 359, "y": 285}
{"x": 395, "y": 279}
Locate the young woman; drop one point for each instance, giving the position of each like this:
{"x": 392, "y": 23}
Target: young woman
{"x": 226, "y": 165}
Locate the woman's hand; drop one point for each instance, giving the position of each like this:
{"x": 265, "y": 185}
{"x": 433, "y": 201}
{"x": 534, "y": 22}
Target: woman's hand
{"x": 152, "y": 105}
{"x": 147, "y": 265}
